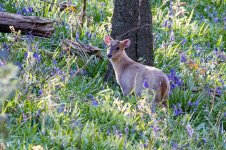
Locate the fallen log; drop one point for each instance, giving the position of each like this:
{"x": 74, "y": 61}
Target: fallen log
{"x": 81, "y": 47}
{"x": 27, "y": 24}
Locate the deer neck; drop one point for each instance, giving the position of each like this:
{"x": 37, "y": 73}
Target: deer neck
{"x": 121, "y": 63}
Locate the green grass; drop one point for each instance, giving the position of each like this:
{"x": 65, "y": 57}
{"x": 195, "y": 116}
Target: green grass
{"x": 56, "y": 110}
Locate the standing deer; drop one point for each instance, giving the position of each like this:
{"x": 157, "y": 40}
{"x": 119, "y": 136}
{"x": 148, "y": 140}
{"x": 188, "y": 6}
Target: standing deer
{"x": 131, "y": 75}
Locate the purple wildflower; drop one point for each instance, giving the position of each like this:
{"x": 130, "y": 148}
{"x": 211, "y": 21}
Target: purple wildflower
{"x": 94, "y": 36}
{"x": 40, "y": 92}
{"x": 90, "y": 36}
{"x": 54, "y": 62}
{"x": 204, "y": 140}
{"x": 77, "y": 36}
{"x": 218, "y": 90}
{"x": 145, "y": 84}
{"x": 63, "y": 77}
{"x": 127, "y": 130}
{"x": 146, "y": 144}
{"x": 171, "y": 9}
{"x": 216, "y": 20}
{"x": 183, "y": 58}
{"x": 184, "y": 42}
{"x": 177, "y": 110}
{"x": 174, "y": 80}
{"x": 30, "y": 9}
{"x": 5, "y": 46}
{"x": 196, "y": 103}
{"x": 1, "y": 63}
{"x": 190, "y": 103}
{"x": 174, "y": 145}
{"x": 207, "y": 9}
{"x": 19, "y": 64}
{"x": 95, "y": 103}
{"x": 172, "y": 36}
{"x": 25, "y": 117}
{"x": 87, "y": 34}
{"x": 201, "y": 17}
{"x": 1, "y": 9}
{"x": 37, "y": 56}
{"x": 165, "y": 23}
{"x": 224, "y": 19}
{"x": 24, "y": 11}
{"x": 102, "y": 4}
{"x": 189, "y": 130}
{"x": 25, "y": 55}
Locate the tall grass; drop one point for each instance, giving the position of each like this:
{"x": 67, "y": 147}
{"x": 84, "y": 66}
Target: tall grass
{"x": 54, "y": 107}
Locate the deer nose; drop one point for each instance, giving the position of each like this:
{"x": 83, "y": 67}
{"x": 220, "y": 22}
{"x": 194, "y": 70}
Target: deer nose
{"x": 109, "y": 55}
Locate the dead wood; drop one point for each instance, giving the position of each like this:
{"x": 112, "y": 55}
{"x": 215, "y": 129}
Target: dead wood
{"x": 76, "y": 46}
{"x": 27, "y": 24}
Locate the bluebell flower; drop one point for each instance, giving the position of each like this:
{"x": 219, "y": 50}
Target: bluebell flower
{"x": 1, "y": 63}
{"x": 145, "y": 84}
{"x": 5, "y": 46}
{"x": 183, "y": 58}
{"x": 54, "y": 62}
{"x": 146, "y": 144}
{"x": 172, "y": 36}
{"x": 24, "y": 11}
{"x": 190, "y": 103}
{"x": 127, "y": 130}
{"x": 177, "y": 110}
{"x": 95, "y": 103}
{"x": 216, "y": 20}
{"x": 19, "y": 64}
{"x": 174, "y": 80}
{"x": 184, "y": 42}
{"x": 171, "y": 8}
{"x": 1, "y": 9}
{"x": 102, "y": 4}
{"x": 39, "y": 92}
{"x": 94, "y": 36}
{"x": 25, "y": 55}
{"x": 218, "y": 90}
{"x": 77, "y": 36}
{"x": 90, "y": 36}
{"x": 196, "y": 103}
{"x": 165, "y": 23}
{"x": 87, "y": 34}
{"x": 30, "y": 9}
{"x": 63, "y": 77}
{"x": 201, "y": 17}
{"x": 174, "y": 145}
{"x": 37, "y": 56}
{"x": 189, "y": 130}
{"x": 224, "y": 19}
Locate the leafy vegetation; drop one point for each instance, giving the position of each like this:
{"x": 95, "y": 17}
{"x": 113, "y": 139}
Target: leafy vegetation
{"x": 61, "y": 101}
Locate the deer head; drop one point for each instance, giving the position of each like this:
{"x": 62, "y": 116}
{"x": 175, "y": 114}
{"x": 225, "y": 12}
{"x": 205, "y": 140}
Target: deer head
{"x": 116, "y": 47}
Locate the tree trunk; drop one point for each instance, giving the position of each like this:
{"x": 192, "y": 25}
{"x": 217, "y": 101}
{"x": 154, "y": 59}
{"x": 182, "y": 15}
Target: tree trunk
{"x": 134, "y": 15}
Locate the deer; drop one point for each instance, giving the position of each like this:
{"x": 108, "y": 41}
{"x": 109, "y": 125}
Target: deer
{"x": 134, "y": 76}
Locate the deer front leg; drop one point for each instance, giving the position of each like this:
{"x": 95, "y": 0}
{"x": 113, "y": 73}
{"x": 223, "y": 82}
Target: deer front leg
{"x": 126, "y": 90}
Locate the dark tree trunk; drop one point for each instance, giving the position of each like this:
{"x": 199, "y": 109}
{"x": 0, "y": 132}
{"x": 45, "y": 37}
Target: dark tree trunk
{"x": 129, "y": 15}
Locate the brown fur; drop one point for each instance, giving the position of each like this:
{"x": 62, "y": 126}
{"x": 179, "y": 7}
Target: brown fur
{"x": 131, "y": 75}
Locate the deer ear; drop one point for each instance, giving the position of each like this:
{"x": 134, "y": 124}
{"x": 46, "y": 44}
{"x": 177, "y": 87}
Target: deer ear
{"x": 127, "y": 43}
{"x": 107, "y": 40}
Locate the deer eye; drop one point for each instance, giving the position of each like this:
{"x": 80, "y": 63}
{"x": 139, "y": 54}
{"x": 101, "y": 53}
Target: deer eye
{"x": 117, "y": 48}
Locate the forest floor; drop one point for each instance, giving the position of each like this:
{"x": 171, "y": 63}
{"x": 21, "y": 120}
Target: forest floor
{"x": 55, "y": 106}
